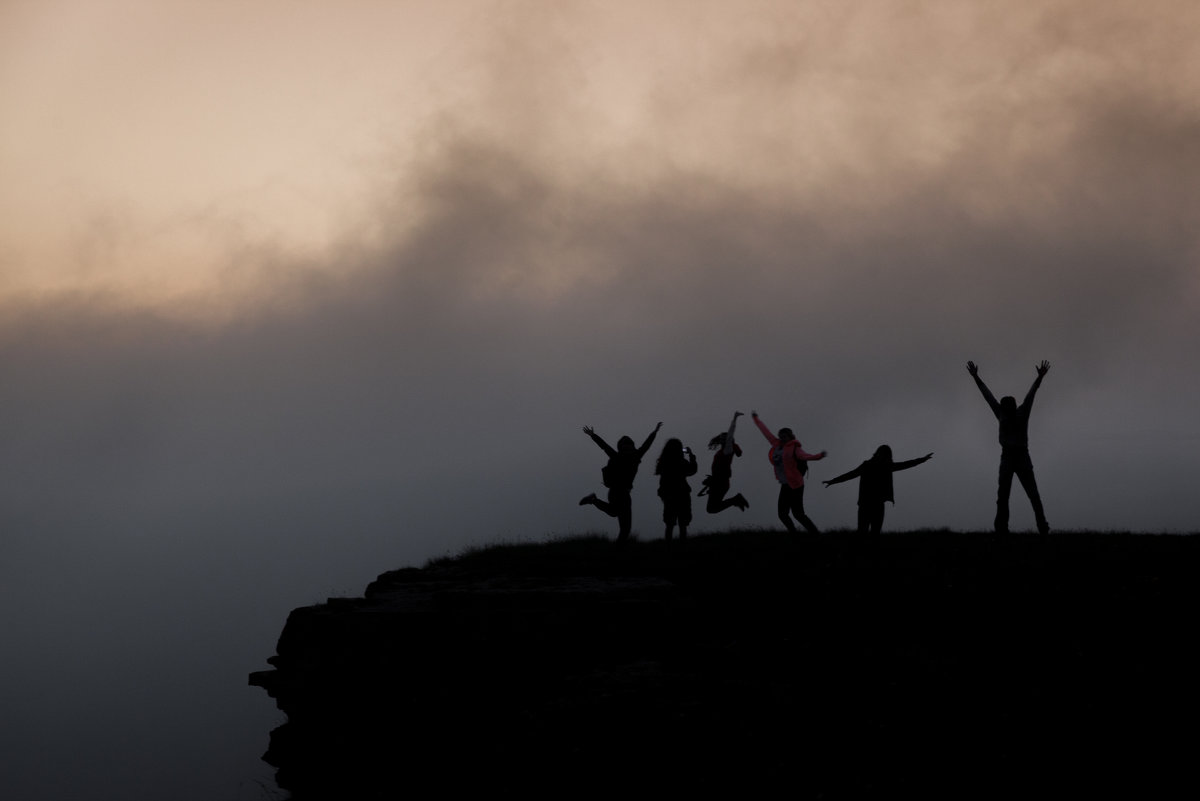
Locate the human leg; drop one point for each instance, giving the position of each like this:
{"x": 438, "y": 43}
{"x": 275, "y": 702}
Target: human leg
{"x": 670, "y": 515}
{"x": 717, "y": 502}
{"x": 620, "y": 506}
{"x": 1002, "y": 492}
{"x": 784, "y": 507}
{"x": 874, "y": 518}
{"x": 797, "y": 506}
{"x": 684, "y": 513}
{"x": 1025, "y": 475}
{"x": 870, "y": 518}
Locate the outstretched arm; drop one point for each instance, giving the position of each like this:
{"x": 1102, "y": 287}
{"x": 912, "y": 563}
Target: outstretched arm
{"x": 727, "y": 448}
{"x": 604, "y": 446}
{"x": 973, "y": 369}
{"x": 649, "y": 441}
{"x": 911, "y": 463}
{"x": 771, "y": 438}
{"x": 855, "y": 473}
{"x": 1042, "y": 369}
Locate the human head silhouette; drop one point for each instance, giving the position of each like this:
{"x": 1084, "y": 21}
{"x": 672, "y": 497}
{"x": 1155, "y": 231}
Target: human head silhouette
{"x": 1008, "y": 404}
{"x": 882, "y": 454}
{"x": 718, "y": 441}
{"x": 626, "y": 444}
{"x": 786, "y": 435}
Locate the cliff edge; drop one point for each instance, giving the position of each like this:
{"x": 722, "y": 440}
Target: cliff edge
{"x": 931, "y": 662}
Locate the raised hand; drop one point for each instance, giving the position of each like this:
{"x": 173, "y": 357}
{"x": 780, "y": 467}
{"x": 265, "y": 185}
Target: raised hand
{"x": 589, "y": 430}
{"x": 1043, "y": 368}
{"x": 972, "y": 368}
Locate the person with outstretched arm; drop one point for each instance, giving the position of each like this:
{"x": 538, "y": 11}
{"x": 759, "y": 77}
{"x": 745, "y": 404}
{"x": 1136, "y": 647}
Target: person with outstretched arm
{"x": 875, "y": 486}
{"x": 791, "y": 463}
{"x": 618, "y": 475}
{"x": 1014, "y": 447}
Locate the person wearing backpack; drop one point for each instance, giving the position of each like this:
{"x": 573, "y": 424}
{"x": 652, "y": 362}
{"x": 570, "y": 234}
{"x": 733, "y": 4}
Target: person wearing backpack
{"x": 618, "y": 475}
{"x": 791, "y": 464}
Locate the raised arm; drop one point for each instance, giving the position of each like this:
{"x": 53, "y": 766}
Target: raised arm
{"x": 727, "y": 448}
{"x": 649, "y": 441}
{"x": 973, "y": 369}
{"x": 771, "y": 438}
{"x": 911, "y": 463}
{"x": 604, "y": 446}
{"x": 1042, "y": 369}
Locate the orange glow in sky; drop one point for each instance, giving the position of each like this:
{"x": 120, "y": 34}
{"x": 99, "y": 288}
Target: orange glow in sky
{"x": 162, "y": 151}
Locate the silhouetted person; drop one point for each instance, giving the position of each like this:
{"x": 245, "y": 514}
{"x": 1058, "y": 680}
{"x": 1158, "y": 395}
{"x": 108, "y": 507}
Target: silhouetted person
{"x": 791, "y": 463}
{"x": 1014, "y": 447}
{"x": 716, "y": 486}
{"x": 674, "y": 465}
{"x": 618, "y": 476}
{"x": 875, "y": 486}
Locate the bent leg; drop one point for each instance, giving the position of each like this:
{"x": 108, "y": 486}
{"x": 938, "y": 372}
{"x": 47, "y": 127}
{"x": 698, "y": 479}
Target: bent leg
{"x": 717, "y": 502}
{"x": 798, "y": 510}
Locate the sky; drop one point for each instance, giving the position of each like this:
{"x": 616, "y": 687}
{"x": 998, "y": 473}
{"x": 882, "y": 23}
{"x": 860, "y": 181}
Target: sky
{"x": 338, "y": 284}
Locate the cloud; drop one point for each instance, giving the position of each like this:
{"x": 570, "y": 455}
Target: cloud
{"x": 511, "y": 288}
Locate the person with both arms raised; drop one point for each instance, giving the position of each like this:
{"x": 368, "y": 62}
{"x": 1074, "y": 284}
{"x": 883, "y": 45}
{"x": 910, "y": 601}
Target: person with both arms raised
{"x": 1014, "y": 448}
{"x": 618, "y": 476}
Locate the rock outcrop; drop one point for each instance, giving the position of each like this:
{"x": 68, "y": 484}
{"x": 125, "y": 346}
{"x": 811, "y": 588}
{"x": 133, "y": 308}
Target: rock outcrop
{"x": 933, "y": 663}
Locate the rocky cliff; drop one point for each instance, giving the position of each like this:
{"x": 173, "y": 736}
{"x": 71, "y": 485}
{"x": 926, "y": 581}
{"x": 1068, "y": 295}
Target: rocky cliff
{"x": 934, "y": 663}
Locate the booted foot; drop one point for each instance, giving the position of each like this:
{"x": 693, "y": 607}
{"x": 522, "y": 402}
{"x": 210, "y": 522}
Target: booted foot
{"x": 740, "y": 502}
{"x": 586, "y": 499}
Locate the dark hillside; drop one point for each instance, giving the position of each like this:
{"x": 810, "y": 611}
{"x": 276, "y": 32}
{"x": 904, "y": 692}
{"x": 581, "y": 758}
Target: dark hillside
{"x": 935, "y": 663}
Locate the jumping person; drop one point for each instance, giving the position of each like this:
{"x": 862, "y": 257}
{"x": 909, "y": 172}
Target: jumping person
{"x": 674, "y": 465}
{"x": 1014, "y": 447}
{"x": 790, "y": 462}
{"x": 875, "y": 486}
{"x": 618, "y": 476}
{"x": 716, "y": 486}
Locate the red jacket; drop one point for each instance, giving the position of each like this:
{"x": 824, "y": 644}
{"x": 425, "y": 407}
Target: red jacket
{"x": 789, "y": 455}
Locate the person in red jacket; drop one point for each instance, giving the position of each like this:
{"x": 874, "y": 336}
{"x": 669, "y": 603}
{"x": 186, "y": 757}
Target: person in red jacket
{"x": 791, "y": 463}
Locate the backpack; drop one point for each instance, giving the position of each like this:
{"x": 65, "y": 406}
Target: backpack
{"x": 801, "y": 464}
